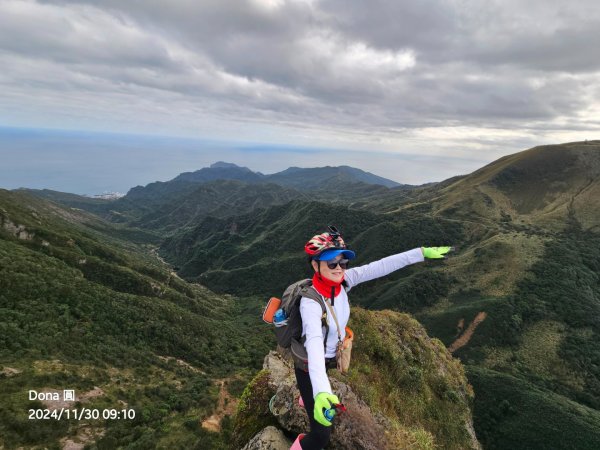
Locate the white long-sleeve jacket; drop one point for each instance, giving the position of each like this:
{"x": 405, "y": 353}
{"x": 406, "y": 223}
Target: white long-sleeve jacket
{"x": 311, "y": 312}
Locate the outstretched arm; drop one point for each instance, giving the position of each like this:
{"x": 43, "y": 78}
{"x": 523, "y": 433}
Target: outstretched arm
{"x": 392, "y": 263}
{"x": 382, "y": 267}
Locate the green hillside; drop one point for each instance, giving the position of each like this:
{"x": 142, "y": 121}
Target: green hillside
{"x": 512, "y": 413}
{"x": 222, "y": 198}
{"x": 83, "y": 308}
{"x": 323, "y": 178}
{"x": 236, "y": 255}
{"x": 540, "y": 187}
{"x": 97, "y": 206}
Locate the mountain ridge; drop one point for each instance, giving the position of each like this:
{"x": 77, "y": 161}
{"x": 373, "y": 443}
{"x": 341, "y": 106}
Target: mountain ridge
{"x": 141, "y": 205}
{"x": 231, "y": 171}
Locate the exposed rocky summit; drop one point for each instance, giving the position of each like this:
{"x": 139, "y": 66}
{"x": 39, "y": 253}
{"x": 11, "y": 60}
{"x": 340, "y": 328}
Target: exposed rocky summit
{"x": 404, "y": 391}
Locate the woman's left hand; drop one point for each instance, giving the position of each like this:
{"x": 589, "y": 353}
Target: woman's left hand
{"x": 436, "y": 252}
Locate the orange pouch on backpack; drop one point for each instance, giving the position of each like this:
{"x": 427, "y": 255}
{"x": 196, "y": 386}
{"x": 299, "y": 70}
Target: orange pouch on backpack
{"x": 272, "y": 307}
{"x": 345, "y": 352}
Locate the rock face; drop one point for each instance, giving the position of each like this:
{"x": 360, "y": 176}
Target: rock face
{"x": 269, "y": 438}
{"x": 19, "y": 231}
{"x": 358, "y": 428}
{"x": 404, "y": 390}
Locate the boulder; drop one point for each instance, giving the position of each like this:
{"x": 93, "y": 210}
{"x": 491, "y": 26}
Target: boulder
{"x": 270, "y": 438}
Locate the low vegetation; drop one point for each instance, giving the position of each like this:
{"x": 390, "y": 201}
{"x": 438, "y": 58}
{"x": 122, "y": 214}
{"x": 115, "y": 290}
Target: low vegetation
{"x": 78, "y": 313}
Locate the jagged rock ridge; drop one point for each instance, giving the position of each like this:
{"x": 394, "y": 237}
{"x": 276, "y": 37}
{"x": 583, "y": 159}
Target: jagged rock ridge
{"x": 403, "y": 391}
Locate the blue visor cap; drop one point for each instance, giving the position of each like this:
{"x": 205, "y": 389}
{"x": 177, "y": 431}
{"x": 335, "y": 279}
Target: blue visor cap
{"x": 330, "y": 254}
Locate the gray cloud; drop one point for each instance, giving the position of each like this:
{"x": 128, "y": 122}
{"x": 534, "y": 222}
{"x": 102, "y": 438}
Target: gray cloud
{"x": 345, "y": 70}
{"x": 536, "y": 34}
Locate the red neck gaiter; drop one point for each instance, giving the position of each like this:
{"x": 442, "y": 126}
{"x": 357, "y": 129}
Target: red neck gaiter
{"x": 323, "y": 285}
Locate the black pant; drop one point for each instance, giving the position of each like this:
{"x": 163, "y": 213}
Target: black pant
{"x": 319, "y": 434}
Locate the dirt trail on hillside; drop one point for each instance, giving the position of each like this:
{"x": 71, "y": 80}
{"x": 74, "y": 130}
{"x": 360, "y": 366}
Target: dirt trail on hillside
{"x": 182, "y": 363}
{"x": 172, "y": 273}
{"x": 85, "y": 436}
{"x": 466, "y": 336}
{"x": 226, "y": 407}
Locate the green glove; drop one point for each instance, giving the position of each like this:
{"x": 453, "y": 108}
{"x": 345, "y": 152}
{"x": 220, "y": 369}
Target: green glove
{"x": 324, "y": 400}
{"x": 436, "y": 252}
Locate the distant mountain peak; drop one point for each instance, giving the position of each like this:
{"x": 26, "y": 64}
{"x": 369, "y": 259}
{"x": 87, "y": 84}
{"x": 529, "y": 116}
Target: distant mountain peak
{"x": 225, "y": 165}
{"x": 220, "y": 171}
{"x": 320, "y": 177}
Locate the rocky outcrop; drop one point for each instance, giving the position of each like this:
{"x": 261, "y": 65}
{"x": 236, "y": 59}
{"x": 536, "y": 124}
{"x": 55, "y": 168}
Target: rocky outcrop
{"x": 19, "y": 231}
{"x": 359, "y": 428}
{"x": 269, "y": 438}
{"x": 404, "y": 390}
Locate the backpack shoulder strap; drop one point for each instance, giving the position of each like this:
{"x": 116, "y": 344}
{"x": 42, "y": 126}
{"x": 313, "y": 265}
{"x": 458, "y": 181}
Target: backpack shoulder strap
{"x": 345, "y": 286}
{"x": 310, "y": 292}
{"x": 292, "y": 294}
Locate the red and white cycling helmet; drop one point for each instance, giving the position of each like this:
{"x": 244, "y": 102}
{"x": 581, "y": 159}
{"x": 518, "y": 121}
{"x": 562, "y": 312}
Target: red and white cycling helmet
{"x": 330, "y": 240}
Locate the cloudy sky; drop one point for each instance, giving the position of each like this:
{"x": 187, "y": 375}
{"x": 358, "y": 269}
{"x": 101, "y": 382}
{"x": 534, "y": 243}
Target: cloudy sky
{"x": 416, "y": 90}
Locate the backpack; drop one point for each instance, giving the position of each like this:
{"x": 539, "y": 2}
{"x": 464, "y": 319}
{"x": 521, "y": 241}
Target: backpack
{"x": 289, "y": 336}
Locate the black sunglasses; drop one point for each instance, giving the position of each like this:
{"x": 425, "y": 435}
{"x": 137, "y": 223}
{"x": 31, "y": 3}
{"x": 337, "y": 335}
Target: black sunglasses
{"x": 343, "y": 263}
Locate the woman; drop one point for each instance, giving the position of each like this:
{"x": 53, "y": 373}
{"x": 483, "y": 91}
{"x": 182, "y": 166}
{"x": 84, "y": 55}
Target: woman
{"x": 329, "y": 259}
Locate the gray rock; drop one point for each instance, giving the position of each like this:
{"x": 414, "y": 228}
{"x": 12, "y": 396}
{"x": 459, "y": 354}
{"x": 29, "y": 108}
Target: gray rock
{"x": 269, "y": 438}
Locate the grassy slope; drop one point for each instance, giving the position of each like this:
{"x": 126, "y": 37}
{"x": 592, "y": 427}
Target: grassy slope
{"x": 399, "y": 370}
{"x": 538, "y": 187}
